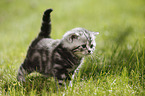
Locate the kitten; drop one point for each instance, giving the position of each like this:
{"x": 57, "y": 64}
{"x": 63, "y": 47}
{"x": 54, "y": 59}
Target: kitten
{"x": 57, "y": 58}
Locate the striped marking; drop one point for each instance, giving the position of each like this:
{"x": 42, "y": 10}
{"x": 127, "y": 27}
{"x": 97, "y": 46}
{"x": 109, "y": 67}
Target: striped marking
{"x": 57, "y": 66}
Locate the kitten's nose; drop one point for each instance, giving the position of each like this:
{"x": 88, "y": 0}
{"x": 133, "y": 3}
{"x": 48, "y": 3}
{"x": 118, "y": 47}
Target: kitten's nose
{"x": 89, "y": 51}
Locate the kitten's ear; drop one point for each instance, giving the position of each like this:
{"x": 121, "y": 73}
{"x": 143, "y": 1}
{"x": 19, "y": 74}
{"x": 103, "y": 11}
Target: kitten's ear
{"x": 95, "y": 33}
{"x": 72, "y": 37}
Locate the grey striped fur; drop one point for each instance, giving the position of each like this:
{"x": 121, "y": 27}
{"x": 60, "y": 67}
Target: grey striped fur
{"x": 58, "y": 58}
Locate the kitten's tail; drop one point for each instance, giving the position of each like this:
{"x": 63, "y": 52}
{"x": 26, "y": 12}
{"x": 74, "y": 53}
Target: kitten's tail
{"x": 46, "y": 24}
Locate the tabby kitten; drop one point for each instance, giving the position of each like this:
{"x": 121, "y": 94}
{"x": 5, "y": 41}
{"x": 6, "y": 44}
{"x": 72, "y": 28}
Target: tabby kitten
{"x": 57, "y": 58}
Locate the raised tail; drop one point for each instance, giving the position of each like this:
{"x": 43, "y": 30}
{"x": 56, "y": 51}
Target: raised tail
{"x": 46, "y": 24}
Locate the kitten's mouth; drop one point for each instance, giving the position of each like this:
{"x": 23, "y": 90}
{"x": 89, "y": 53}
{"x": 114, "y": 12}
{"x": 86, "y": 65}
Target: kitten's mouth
{"x": 88, "y": 53}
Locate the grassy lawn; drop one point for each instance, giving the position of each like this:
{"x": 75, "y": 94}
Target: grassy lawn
{"x": 116, "y": 68}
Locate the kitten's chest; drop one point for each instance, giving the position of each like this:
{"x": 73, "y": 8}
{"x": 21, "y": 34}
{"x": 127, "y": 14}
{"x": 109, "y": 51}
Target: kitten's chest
{"x": 72, "y": 68}
{"x": 63, "y": 59}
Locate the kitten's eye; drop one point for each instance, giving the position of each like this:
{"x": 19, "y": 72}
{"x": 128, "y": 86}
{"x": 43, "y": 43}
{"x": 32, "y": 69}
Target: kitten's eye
{"x": 91, "y": 46}
{"x": 84, "y": 46}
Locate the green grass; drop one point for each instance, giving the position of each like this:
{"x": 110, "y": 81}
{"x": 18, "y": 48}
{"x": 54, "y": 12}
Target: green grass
{"x": 116, "y": 68}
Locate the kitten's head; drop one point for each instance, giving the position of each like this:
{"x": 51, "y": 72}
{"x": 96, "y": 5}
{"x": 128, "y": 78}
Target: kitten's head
{"x": 80, "y": 41}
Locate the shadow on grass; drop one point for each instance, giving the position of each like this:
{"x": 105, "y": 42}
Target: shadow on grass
{"x": 39, "y": 84}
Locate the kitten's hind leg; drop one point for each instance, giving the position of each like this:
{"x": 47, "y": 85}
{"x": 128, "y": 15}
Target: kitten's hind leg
{"x": 24, "y": 70}
{"x": 21, "y": 74}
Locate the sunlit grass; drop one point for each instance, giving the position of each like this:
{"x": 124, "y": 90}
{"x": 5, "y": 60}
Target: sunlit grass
{"x": 116, "y": 68}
